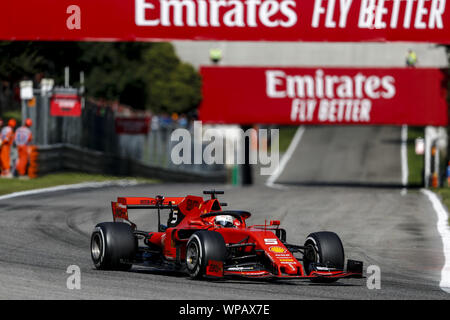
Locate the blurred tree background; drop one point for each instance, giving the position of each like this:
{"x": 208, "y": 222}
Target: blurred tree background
{"x": 142, "y": 75}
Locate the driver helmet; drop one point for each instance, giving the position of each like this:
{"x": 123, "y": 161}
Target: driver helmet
{"x": 225, "y": 221}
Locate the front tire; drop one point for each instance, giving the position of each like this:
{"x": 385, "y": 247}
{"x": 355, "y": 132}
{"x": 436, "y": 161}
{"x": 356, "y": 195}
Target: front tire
{"x": 202, "y": 247}
{"x": 113, "y": 245}
{"x": 325, "y": 248}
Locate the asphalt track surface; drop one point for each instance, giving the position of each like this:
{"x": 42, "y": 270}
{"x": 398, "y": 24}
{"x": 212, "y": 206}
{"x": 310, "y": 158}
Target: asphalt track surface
{"x": 346, "y": 156}
{"x": 41, "y": 235}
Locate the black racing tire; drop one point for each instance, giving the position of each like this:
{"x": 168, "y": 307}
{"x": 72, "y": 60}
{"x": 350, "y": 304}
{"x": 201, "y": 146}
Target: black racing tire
{"x": 202, "y": 247}
{"x": 326, "y": 248}
{"x": 112, "y": 243}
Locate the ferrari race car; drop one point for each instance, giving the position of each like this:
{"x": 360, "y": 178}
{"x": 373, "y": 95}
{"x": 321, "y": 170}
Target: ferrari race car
{"x": 203, "y": 240}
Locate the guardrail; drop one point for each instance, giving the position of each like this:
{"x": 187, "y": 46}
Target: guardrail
{"x": 66, "y": 157}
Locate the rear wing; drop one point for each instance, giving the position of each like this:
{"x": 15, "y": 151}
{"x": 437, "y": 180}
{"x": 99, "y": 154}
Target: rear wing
{"x": 182, "y": 204}
{"x": 121, "y": 206}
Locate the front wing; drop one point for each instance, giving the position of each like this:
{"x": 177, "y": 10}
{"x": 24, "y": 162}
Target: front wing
{"x": 354, "y": 270}
{"x": 313, "y": 275}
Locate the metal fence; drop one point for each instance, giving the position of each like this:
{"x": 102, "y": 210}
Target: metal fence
{"x": 58, "y": 157}
{"x": 95, "y": 130}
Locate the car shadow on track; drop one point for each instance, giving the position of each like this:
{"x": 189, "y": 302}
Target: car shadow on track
{"x": 336, "y": 284}
{"x": 237, "y": 280}
{"x": 153, "y": 271}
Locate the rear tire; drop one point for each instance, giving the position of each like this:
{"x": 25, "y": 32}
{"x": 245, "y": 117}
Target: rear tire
{"x": 202, "y": 247}
{"x": 112, "y": 244}
{"x": 326, "y": 248}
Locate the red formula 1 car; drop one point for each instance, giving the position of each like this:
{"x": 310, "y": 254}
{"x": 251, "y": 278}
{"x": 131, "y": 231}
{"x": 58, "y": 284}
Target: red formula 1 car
{"x": 205, "y": 241}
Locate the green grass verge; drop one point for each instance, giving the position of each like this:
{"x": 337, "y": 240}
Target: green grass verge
{"x": 56, "y": 179}
{"x": 445, "y": 194}
{"x": 286, "y": 135}
{"x": 415, "y": 162}
{"x": 416, "y": 166}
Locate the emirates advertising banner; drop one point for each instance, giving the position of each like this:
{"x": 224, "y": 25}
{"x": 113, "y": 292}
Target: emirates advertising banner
{"x": 339, "y": 96}
{"x": 253, "y": 20}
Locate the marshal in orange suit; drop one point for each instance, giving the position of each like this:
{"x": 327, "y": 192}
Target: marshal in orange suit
{"x": 7, "y": 137}
{"x": 22, "y": 140}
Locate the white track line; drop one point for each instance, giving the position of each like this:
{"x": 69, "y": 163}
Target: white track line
{"x": 444, "y": 231}
{"x": 121, "y": 183}
{"x": 404, "y": 158}
{"x": 295, "y": 141}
